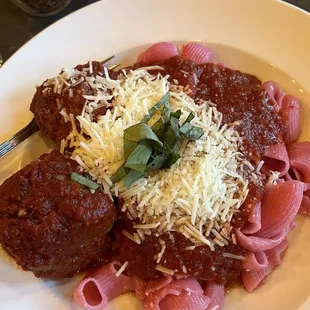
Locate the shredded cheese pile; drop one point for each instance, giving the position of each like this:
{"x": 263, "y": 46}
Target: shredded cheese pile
{"x": 135, "y": 93}
{"x": 199, "y": 194}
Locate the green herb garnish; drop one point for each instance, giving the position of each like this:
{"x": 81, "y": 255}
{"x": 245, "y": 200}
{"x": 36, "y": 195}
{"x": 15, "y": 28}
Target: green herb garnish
{"x": 84, "y": 181}
{"x": 153, "y": 143}
{"x": 176, "y": 114}
{"x": 134, "y": 134}
{"x": 132, "y": 177}
{"x": 190, "y": 131}
{"x": 139, "y": 157}
{"x": 119, "y": 174}
{"x": 163, "y": 101}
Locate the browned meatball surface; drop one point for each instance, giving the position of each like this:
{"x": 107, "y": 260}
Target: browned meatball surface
{"x": 68, "y": 96}
{"x": 50, "y": 224}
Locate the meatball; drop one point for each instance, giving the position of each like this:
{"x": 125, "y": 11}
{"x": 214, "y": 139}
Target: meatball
{"x": 49, "y": 100}
{"x": 50, "y": 224}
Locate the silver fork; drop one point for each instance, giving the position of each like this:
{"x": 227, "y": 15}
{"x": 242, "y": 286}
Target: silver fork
{"x": 31, "y": 128}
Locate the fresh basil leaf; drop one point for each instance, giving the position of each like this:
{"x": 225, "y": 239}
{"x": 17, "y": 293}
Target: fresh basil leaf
{"x": 129, "y": 146}
{"x": 172, "y": 134}
{"x": 173, "y": 158}
{"x": 141, "y": 131}
{"x": 157, "y": 162}
{"x": 174, "y": 125}
{"x": 164, "y": 100}
{"x": 154, "y": 119}
{"x": 132, "y": 177}
{"x": 119, "y": 174}
{"x": 81, "y": 179}
{"x": 158, "y": 128}
{"x": 165, "y": 114}
{"x": 139, "y": 157}
{"x": 154, "y": 143}
{"x": 176, "y": 114}
{"x": 189, "y": 118}
{"x": 191, "y": 132}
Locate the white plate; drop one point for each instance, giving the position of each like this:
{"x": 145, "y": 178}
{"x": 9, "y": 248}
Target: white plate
{"x": 260, "y": 37}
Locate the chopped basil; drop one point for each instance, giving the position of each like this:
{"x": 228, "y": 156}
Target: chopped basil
{"x": 190, "y": 131}
{"x": 139, "y": 157}
{"x": 136, "y": 133}
{"x": 119, "y": 174}
{"x": 157, "y": 162}
{"x": 129, "y": 146}
{"x": 172, "y": 134}
{"x": 154, "y": 143}
{"x": 189, "y": 118}
{"x": 158, "y": 128}
{"x": 163, "y": 161}
{"x": 163, "y": 101}
{"x": 166, "y": 113}
{"x": 173, "y": 159}
{"x": 176, "y": 114}
{"x": 84, "y": 181}
{"x": 132, "y": 177}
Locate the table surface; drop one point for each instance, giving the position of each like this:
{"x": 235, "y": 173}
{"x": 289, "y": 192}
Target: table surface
{"x": 16, "y": 27}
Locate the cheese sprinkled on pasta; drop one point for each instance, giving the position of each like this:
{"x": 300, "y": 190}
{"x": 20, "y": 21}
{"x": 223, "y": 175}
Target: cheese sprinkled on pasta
{"x": 199, "y": 194}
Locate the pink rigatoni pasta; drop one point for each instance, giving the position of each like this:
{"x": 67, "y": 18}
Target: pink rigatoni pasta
{"x": 305, "y": 205}
{"x": 254, "y": 221}
{"x": 96, "y": 290}
{"x": 156, "y": 285}
{"x": 279, "y": 207}
{"x": 196, "y": 52}
{"x": 257, "y": 244}
{"x": 216, "y": 293}
{"x": 276, "y": 159}
{"x": 300, "y": 169}
{"x": 289, "y": 107}
{"x": 275, "y": 93}
{"x": 185, "y": 302}
{"x": 189, "y": 285}
{"x": 291, "y": 115}
{"x": 158, "y": 52}
{"x": 254, "y": 278}
{"x": 178, "y": 287}
{"x": 300, "y": 160}
{"x": 152, "y": 301}
{"x": 255, "y": 261}
{"x": 140, "y": 287}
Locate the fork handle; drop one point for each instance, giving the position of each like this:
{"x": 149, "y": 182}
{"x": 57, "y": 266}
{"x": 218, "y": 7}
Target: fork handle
{"x": 18, "y": 138}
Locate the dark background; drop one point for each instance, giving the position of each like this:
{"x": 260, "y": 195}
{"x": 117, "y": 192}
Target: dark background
{"x": 16, "y": 27}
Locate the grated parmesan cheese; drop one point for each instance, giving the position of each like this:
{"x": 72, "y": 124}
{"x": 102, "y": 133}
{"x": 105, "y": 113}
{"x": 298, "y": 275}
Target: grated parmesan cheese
{"x": 161, "y": 253}
{"x": 131, "y": 237}
{"x": 199, "y": 194}
{"x": 122, "y": 269}
{"x": 229, "y": 255}
{"x": 165, "y": 270}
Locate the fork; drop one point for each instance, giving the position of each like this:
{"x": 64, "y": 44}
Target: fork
{"x": 32, "y": 127}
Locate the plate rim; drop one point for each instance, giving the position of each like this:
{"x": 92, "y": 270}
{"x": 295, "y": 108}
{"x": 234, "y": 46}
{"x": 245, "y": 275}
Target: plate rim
{"x": 99, "y": 3}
